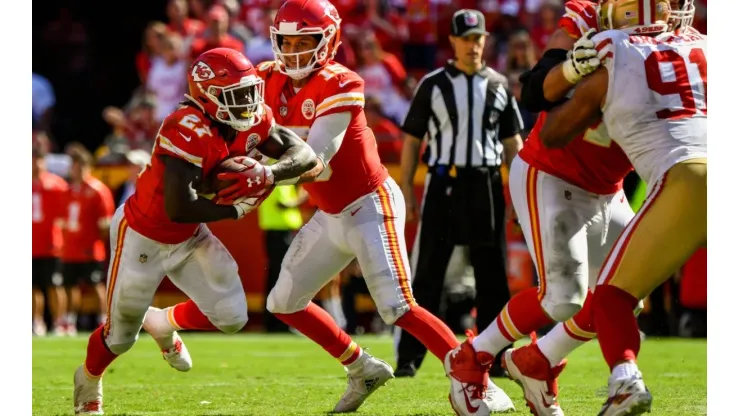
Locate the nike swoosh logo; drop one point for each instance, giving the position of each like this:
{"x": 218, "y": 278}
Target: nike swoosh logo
{"x": 342, "y": 84}
{"x": 352, "y": 213}
{"x": 471, "y": 408}
{"x": 187, "y": 138}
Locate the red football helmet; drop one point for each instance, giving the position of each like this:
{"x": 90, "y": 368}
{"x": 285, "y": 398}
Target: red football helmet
{"x": 306, "y": 17}
{"x": 226, "y": 86}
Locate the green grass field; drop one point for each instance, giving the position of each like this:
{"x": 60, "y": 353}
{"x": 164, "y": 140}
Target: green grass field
{"x": 287, "y": 375}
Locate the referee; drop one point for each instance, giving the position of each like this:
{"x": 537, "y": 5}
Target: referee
{"x": 472, "y": 125}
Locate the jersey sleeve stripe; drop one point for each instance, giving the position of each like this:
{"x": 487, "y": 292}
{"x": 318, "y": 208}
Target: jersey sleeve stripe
{"x": 340, "y": 102}
{"x": 166, "y": 144}
{"x": 330, "y": 100}
{"x": 605, "y": 49}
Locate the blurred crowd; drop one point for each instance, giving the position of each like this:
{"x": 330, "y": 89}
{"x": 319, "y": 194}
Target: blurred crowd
{"x": 390, "y": 43}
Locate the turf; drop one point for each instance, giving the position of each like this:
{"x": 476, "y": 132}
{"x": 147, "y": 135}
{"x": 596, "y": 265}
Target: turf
{"x": 288, "y": 375}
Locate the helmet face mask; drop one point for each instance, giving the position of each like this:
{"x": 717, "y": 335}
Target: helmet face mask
{"x": 635, "y": 17}
{"x": 682, "y": 14}
{"x": 316, "y": 18}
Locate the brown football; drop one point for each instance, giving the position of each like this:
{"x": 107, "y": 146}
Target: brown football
{"x": 210, "y": 185}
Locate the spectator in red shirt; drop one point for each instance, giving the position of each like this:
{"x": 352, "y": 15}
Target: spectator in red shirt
{"x": 384, "y": 76}
{"x": 47, "y": 196}
{"x": 217, "y": 35}
{"x": 88, "y": 207}
{"x": 376, "y": 16}
{"x": 388, "y": 136}
{"x": 550, "y": 13}
{"x": 180, "y": 23}
{"x": 150, "y": 47}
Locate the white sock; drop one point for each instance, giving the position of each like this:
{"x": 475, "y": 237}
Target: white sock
{"x": 625, "y": 370}
{"x": 557, "y": 344}
{"x": 163, "y": 332}
{"x": 71, "y": 319}
{"x": 491, "y": 340}
{"x": 356, "y": 366}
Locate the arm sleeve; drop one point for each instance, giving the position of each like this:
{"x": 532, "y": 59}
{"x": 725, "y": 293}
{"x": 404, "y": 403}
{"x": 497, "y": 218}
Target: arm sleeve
{"x": 533, "y": 95}
{"x": 327, "y": 133}
{"x": 417, "y": 119}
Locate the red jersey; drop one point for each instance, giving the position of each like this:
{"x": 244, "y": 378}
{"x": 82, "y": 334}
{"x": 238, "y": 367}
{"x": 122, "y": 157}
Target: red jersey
{"x": 189, "y": 135}
{"x": 89, "y": 208}
{"x": 592, "y": 161}
{"x": 355, "y": 170}
{"x": 47, "y": 198}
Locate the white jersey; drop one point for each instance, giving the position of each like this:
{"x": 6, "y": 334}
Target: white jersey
{"x": 656, "y": 106}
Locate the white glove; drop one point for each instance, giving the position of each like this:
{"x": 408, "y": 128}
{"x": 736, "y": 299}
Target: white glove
{"x": 582, "y": 60}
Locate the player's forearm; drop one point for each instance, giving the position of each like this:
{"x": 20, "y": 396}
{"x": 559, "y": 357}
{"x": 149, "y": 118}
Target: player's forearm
{"x": 409, "y": 161}
{"x": 296, "y": 161}
{"x": 200, "y": 210}
{"x": 556, "y": 87}
{"x": 312, "y": 174}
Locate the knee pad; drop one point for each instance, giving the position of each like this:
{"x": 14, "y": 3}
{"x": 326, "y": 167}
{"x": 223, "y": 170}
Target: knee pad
{"x": 390, "y": 314}
{"x": 564, "y": 297}
{"x": 231, "y": 314}
{"x": 120, "y": 347}
{"x": 282, "y": 298}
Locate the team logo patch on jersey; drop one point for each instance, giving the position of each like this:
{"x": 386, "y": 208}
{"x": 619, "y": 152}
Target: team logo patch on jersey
{"x": 202, "y": 72}
{"x": 283, "y": 111}
{"x": 308, "y": 109}
{"x": 252, "y": 141}
{"x": 143, "y": 258}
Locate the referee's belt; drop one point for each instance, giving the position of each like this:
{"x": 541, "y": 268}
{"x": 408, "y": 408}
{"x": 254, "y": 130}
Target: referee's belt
{"x": 452, "y": 170}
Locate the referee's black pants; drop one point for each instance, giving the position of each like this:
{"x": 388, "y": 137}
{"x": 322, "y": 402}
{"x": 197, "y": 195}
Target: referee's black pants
{"x": 443, "y": 225}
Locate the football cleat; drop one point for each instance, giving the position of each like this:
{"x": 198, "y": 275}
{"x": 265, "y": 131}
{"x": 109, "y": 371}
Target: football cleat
{"x": 627, "y": 396}
{"x": 173, "y": 348}
{"x": 471, "y": 390}
{"x": 529, "y": 368}
{"x": 88, "y": 394}
{"x": 374, "y": 374}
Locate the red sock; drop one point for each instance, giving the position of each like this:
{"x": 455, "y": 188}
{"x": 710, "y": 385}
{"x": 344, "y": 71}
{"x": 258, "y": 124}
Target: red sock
{"x": 616, "y": 325}
{"x": 429, "y": 330}
{"x": 186, "y": 315}
{"x": 522, "y": 315}
{"x": 98, "y": 356}
{"x": 319, "y": 326}
{"x": 581, "y": 325}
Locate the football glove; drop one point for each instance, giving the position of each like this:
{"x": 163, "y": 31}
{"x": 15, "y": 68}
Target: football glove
{"x": 582, "y": 59}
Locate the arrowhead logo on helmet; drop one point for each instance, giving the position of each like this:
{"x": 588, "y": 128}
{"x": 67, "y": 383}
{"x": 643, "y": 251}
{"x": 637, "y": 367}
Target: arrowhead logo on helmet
{"x": 202, "y": 72}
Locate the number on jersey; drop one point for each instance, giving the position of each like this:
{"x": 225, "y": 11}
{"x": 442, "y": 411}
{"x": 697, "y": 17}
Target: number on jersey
{"x": 38, "y": 213}
{"x": 690, "y": 85}
{"x": 73, "y": 218}
{"x": 192, "y": 122}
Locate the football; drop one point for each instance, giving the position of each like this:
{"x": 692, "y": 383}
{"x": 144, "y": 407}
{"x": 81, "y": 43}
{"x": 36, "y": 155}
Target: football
{"x": 210, "y": 185}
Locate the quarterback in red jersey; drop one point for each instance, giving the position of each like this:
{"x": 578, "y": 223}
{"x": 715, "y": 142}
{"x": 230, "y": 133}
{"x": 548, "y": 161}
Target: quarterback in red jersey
{"x": 161, "y": 228}
{"x": 361, "y": 210}
{"x": 571, "y": 209}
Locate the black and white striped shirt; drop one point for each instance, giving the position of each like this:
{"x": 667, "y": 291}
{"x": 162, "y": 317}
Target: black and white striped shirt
{"x": 465, "y": 116}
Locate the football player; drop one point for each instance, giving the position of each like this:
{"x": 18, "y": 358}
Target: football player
{"x": 652, "y": 95}
{"x": 361, "y": 210}
{"x": 161, "y": 230}
{"x": 571, "y": 208}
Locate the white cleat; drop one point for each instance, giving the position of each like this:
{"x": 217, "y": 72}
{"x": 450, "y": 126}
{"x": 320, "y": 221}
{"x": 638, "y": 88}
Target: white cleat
{"x": 529, "y": 368}
{"x": 627, "y": 396}
{"x": 466, "y": 369}
{"x": 88, "y": 395}
{"x": 39, "y": 328}
{"x": 374, "y": 374}
{"x": 173, "y": 349}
